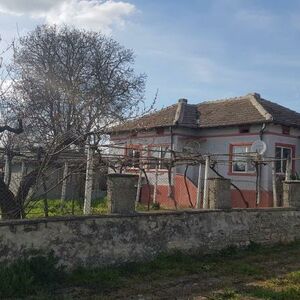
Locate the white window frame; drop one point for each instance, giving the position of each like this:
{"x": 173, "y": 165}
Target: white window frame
{"x": 239, "y": 158}
{"x": 282, "y": 161}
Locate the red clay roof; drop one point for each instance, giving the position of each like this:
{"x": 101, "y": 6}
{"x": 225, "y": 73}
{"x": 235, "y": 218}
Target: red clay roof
{"x": 249, "y": 109}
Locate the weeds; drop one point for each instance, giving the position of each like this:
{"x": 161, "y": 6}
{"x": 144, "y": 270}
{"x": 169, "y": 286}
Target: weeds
{"x": 29, "y": 275}
{"x": 36, "y": 274}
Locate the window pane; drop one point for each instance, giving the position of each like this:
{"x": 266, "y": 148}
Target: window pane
{"x": 136, "y": 155}
{"x": 250, "y": 166}
{"x": 240, "y": 163}
{"x": 282, "y": 154}
{"x": 239, "y": 166}
{"x": 154, "y": 154}
{"x": 164, "y": 156}
{"x": 286, "y": 153}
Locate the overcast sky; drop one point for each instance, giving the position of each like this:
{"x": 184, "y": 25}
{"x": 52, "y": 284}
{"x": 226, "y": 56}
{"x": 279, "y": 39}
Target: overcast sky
{"x": 196, "y": 49}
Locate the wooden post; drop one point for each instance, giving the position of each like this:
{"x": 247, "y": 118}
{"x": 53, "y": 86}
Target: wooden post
{"x": 198, "y": 201}
{"x": 88, "y": 182}
{"x": 258, "y": 178}
{"x": 275, "y": 203}
{"x": 205, "y": 191}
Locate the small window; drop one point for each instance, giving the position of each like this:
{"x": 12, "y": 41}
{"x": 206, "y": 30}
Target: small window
{"x": 244, "y": 129}
{"x": 160, "y": 130}
{"x": 282, "y": 154}
{"x": 157, "y": 154}
{"x": 241, "y": 162}
{"x": 286, "y": 130}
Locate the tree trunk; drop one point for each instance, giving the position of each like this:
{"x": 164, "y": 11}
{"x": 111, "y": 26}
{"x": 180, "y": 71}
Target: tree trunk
{"x": 10, "y": 208}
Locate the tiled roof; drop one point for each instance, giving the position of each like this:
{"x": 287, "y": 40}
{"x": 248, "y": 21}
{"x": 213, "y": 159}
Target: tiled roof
{"x": 162, "y": 118}
{"x": 249, "y": 109}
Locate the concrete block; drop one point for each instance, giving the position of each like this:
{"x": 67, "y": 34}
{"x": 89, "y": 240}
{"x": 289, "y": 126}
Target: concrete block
{"x": 121, "y": 192}
{"x": 219, "y": 195}
{"x": 291, "y": 193}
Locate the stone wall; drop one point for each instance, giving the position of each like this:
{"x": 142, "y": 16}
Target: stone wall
{"x": 114, "y": 239}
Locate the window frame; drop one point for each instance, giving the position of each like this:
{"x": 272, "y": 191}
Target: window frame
{"x": 150, "y": 148}
{"x": 293, "y": 153}
{"x": 133, "y": 147}
{"x": 231, "y": 161}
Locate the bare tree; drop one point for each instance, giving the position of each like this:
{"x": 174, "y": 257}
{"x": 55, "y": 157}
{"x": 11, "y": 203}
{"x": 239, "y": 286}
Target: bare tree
{"x": 68, "y": 84}
{"x": 74, "y": 81}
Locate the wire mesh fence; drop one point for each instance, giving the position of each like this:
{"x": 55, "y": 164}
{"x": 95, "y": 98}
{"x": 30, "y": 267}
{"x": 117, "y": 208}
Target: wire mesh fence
{"x": 75, "y": 182}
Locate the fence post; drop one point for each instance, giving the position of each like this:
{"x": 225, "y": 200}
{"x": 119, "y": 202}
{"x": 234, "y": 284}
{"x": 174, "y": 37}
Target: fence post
{"x": 258, "y": 178}
{"x": 88, "y": 182}
{"x": 288, "y": 169}
{"x": 64, "y": 184}
{"x": 275, "y": 203}
{"x": 6, "y": 169}
{"x": 155, "y": 184}
{"x": 198, "y": 201}
{"x": 139, "y": 185}
{"x": 205, "y": 191}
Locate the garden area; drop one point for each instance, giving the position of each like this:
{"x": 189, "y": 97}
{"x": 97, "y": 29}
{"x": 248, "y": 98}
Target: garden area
{"x": 255, "y": 272}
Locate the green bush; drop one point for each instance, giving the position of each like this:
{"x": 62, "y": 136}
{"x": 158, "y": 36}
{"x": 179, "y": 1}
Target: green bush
{"x": 29, "y": 275}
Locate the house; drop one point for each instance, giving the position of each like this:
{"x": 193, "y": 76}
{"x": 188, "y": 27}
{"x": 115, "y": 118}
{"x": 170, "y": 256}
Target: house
{"x": 222, "y": 127}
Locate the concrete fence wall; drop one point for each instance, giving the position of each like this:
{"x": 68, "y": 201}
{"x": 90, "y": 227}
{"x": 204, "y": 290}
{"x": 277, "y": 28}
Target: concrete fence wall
{"x": 114, "y": 239}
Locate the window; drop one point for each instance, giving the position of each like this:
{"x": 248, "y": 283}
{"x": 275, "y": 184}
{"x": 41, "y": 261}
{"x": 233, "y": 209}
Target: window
{"x": 282, "y": 153}
{"x": 286, "y": 130}
{"x": 241, "y": 162}
{"x": 160, "y": 130}
{"x": 244, "y": 129}
{"x": 133, "y": 153}
{"x": 157, "y": 154}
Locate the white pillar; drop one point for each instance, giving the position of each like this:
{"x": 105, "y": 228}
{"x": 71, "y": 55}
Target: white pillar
{"x": 23, "y": 169}
{"x": 88, "y": 183}
{"x": 64, "y": 183}
{"x": 155, "y": 184}
{"x": 6, "y": 170}
{"x": 258, "y": 179}
{"x": 288, "y": 169}
{"x": 139, "y": 186}
{"x": 198, "y": 201}
{"x": 275, "y": 203}
{"x": 205, "y": 191}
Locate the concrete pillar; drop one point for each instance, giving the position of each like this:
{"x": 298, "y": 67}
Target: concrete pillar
{"x": 219, "y": 195}
{"x": 121, "y": 192}
{"x": 291, "y": 193}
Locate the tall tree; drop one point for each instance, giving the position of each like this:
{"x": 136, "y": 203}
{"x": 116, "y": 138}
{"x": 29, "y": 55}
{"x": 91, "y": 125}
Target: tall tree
{"x": 74, "y": 81}
{"x": 68, "y": 83}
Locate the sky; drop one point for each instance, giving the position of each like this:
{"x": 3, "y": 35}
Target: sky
{"x": 195, "y": 49}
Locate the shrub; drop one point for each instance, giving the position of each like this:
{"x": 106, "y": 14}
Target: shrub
{"x": 29, "y": 274}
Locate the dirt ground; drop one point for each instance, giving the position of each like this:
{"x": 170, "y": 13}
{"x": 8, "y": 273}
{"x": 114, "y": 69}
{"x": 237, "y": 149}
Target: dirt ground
{"x": 272, "y": 273}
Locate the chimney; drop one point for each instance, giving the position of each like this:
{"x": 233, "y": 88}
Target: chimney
{"x": 255, "y": 95}
{"x": 183, "y": 100}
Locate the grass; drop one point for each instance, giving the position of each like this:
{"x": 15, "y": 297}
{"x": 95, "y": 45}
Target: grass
{"x": 252, "y": 273}
{"x": 68, "y": 207}
{"x": 74, "y": 207}
{"x": 29, "y": 275}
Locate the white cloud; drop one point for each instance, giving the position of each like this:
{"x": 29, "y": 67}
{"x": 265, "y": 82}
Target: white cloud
{"x": 21, "y": 7}
{"x": 89, "y": 14}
